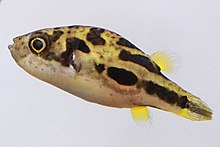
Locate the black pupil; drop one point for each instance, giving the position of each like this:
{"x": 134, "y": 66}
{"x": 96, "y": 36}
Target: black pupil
{"x": 38, "y": 44}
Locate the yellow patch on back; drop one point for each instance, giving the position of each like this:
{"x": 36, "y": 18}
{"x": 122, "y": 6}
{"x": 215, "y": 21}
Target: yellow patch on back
{"x": 163, "y": 60}
{"x": 140, "y": 114}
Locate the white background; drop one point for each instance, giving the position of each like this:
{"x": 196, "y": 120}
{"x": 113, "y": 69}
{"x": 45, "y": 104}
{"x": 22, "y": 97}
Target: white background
{"x": 36, "y": 114}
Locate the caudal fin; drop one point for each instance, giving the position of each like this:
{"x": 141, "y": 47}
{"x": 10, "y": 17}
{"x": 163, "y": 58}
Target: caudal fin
{"x": 196, "y": 110}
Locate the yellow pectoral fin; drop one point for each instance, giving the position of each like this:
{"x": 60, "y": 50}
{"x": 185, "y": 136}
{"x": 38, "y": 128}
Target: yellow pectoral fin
{"x": 163, "y": 60}
{"x": 140, "y": 114}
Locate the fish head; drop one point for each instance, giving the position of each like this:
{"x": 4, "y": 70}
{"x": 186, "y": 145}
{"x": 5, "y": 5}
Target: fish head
{"x": 43, "y": 54}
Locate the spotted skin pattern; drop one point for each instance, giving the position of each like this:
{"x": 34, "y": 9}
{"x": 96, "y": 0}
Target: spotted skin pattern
{"x": 101, "y": 66}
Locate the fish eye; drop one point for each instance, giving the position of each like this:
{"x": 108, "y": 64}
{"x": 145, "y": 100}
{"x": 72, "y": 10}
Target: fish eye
{"x": 38, "y": 44}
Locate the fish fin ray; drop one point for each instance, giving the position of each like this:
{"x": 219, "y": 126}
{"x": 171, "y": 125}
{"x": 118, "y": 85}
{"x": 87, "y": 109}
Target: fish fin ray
{"x": 140, "y": 114}
{"x": 164, "y": 60}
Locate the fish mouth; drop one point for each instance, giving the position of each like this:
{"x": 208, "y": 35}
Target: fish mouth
{"x": 10, "y": 47}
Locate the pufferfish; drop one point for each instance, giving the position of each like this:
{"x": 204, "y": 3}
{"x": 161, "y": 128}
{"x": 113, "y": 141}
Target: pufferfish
{"x": 102, "y": 67}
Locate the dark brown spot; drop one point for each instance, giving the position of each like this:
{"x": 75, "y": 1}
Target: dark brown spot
{"x": 183, "y": 102}
{"x": 74, "y": 26}
{"x": 83, "y": 47}
{"x": 126, "y": 43}
{"x": 150, "y": 88}
{"x": 68, "y": 32}
{"x": 122, "y": 76}
{"x": 66, "y": 58}
{"x": 100, "y": 67}
{"x": 77, "y": 44}
{"x": 164, "y": 94}
{"x": 56, "y": 35}
{"x": 94, "y": 36}
{"x": 73, "y": 44}
{"x": 140, "y": 60}
{"x": 57, "y": 28}
{"x": 173, "y": 97}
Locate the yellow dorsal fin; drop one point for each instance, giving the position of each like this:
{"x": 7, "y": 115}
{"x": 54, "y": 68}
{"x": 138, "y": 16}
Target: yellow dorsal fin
{"x": 163, "y": 60}
{"x": 140, "y": 114}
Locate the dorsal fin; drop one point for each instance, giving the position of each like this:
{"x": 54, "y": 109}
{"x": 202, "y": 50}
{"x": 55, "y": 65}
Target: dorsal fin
{"x": 163, "y": 60}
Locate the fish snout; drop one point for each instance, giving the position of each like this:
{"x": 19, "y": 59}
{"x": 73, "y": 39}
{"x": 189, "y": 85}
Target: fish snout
{"x": 10, "y": 47}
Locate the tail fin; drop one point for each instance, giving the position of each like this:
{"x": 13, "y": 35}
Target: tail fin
{"x": 196, "y": 110}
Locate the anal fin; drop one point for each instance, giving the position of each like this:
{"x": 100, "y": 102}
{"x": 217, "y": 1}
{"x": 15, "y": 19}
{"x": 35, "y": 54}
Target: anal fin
{"x": 140, "y": 114}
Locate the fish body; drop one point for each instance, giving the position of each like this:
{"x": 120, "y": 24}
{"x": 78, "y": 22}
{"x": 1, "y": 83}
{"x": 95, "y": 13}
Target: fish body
{"x": 101, "y": 66}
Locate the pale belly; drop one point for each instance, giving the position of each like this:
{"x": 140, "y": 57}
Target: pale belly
{"x": 91, "y": 89}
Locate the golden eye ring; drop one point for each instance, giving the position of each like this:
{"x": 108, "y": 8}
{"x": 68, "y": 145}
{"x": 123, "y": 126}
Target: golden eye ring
{"x": 38, "y": 44}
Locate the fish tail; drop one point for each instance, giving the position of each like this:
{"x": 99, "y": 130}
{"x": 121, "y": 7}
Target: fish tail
{"x": 195, "y": 109}
{"x": 186, "y": 105}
